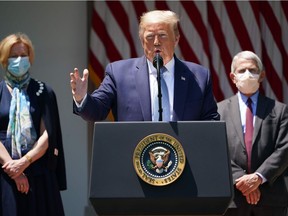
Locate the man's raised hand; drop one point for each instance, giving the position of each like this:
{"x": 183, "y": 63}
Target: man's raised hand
{"x": 79, "y": 85}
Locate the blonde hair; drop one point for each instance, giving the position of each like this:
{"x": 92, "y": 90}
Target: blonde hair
{"x": 248, "y": 55}
{"x": 7, "y": 43}
{"x": 159, "y": 16}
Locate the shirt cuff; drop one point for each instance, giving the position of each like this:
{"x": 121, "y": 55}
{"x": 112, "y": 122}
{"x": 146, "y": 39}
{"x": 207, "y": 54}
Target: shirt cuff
{"x": 262, "y": 177}
{"x": 82, "y": 102}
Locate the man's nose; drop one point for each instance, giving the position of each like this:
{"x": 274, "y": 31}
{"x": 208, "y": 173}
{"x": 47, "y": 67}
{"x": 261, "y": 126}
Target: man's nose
{"x": 156, "y": 40}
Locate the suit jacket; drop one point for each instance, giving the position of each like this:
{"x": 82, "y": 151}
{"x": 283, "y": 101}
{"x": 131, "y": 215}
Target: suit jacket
{"x": 269, "y": 154}
{"x": 126, "y": 90}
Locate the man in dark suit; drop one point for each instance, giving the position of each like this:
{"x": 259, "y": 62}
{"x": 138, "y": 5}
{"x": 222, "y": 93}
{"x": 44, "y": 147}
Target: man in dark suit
{"x": 258, "y": 142}
{"x": 130, "y": 85}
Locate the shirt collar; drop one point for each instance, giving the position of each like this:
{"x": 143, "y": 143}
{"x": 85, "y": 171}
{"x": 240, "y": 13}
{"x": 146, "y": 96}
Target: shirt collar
{"x": 169, "y": 66}
{"x": 244, "y": 98}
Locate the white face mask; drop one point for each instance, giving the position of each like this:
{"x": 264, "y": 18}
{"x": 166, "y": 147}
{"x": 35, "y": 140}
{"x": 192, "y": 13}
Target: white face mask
{"x": 247, "y": 82}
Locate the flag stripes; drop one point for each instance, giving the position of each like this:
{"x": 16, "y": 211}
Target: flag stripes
{"x": 211, "y": 33}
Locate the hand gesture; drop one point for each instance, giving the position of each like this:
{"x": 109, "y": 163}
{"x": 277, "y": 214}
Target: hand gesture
{"x": 79, "y": 85}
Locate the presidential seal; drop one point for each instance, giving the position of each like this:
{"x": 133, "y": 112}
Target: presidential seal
{"x": 159, "y": 159}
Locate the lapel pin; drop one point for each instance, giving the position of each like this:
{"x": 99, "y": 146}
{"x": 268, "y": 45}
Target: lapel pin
{"x": 183, "y": 78}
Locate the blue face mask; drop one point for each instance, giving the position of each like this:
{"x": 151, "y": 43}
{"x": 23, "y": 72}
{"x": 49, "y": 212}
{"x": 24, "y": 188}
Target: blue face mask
{"x": 18, "y": 66}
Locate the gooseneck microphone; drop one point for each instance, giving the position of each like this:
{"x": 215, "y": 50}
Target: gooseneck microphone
{"x": 158, "y": 64}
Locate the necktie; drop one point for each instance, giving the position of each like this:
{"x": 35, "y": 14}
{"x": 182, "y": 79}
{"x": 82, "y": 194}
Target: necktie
{"x": 165, "y": 100}
{"x": 249, "y": 132}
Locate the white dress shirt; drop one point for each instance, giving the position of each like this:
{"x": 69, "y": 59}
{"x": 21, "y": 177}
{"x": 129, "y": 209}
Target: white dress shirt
{"x": 169, "y": 79}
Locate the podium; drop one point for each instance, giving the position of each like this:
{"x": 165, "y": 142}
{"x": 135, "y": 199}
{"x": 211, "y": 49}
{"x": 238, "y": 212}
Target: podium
{"x": 204, "y": 188}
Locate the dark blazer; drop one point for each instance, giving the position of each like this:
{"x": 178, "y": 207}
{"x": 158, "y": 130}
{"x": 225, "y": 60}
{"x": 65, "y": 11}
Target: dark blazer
{"x": 126, "y": 90}
{"x": 54, "y": 156}
{"x": 55, "y": 151}
{"x": 269, "y": 147}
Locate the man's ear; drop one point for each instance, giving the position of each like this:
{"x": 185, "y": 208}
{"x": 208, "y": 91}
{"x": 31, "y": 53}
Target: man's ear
{"x": 262, "y": 76}
{"x": 177, "y": 38}
{"x": 232, "y": 77}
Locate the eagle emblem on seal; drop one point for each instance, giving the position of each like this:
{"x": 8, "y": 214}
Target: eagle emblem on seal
{"x": 159, "y": 160}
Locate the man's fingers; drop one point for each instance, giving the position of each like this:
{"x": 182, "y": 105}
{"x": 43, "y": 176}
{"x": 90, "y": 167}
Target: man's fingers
{"x": 85, "y": 74}
{"x": 76, "y": 73}
{"x": 248, "y": 199}
{"x": 254, "y": 197}
{"x": 73, "y": 78}
{"x": 239, "y": 185}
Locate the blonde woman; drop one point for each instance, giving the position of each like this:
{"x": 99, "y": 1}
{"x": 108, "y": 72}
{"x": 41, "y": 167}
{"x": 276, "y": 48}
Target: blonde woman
{"x": 31, "y": 151}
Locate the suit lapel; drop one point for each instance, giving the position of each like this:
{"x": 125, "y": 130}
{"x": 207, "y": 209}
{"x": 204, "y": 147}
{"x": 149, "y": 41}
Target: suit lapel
{"x": 236, "y": 118}
{"x": 143, "y": 87}
{"x": 262, "y": 107}
{"x": 180, "y": 89}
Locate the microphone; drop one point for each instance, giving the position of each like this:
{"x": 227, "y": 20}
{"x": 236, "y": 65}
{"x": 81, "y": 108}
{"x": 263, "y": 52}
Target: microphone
{"x": 158, "y": 64}
{"x": 158, "y": 61}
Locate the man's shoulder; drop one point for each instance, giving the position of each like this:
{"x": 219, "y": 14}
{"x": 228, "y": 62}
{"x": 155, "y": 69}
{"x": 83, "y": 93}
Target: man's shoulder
{"x": 128, "y": 61}
{"x": 190, "y": 65}
{"x": 274, "y": 102}
{"x": 224, "y": 102}
{"x": 126, "y": 65}
{"x": 193, "y": 70}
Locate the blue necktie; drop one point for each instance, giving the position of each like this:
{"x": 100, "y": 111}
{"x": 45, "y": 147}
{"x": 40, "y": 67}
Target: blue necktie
{"x": 165, "y": 100}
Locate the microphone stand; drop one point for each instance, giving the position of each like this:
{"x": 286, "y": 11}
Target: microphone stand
{"x": 158, "y": 64}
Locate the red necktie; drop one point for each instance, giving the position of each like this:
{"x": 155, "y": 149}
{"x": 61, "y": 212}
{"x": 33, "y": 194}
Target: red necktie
{"x": 249, "y": 132}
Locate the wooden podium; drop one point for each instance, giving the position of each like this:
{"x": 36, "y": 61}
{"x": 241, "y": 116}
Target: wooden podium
{"x": 204, "y": 188}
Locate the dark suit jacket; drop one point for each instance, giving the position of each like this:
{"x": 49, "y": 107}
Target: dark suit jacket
{"x": 126, "y": 90}
{"x": 269, "y": 147}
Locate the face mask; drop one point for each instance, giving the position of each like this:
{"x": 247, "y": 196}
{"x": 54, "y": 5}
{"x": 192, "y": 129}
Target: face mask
{"x": 247, "y": 82}
{"x": 18, "y": 66}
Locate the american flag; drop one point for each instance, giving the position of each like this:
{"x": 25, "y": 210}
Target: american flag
{"x": 211, "y": 33}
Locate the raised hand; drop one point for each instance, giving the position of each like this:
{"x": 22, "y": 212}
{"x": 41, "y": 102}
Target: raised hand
{"x": 79, "y": 85}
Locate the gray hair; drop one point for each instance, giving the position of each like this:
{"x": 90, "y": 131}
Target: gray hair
{"x": 248, "y": 55}
{"x": 159, "y": 16}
